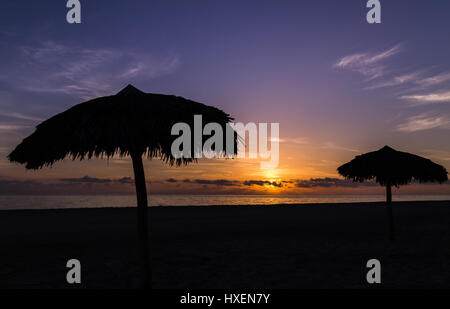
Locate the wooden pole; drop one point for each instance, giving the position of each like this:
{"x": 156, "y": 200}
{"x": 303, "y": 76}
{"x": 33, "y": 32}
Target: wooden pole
{"x": 142, "y": 220}
{"x": 389, "y": 212}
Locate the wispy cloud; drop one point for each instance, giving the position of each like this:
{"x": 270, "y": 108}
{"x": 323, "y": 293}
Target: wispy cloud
{"x": 368, "y": 64}
{"x": 263, "y": 183}
{"x": 216, "y": 182}
{"x": 299, "y": 183}
{"x": 428, "y": 98}
{"x": 296, "y": 140}
{"x": 332, "y": 145}
{"x": 373, "y": 66}
{"x": 331, "y": 182}
{"x": 85, "y": 72}
{"x": 418, "y": 88}
{"x": 417, "y": 80}
{"x": 89, "y": 185}
{"x": 397, "y": 80}
{"x": 20, "y": 116}
{"x": 423, "y": 122}
{"x": 227, "y": 182}
{"x": 437, "y": 154}
{"x": 87, "y": 179}
{"x": 434, "y": 80}
{"x": 11, "y": 127}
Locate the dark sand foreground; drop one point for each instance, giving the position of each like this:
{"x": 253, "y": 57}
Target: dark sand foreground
{"x": 305, "y": 246}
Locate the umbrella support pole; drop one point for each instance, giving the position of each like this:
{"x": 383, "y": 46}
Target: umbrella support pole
{"x": 142, "y": 220}
{"x": 389, "y": 212}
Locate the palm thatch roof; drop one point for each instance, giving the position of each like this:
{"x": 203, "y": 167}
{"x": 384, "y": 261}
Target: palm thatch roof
{"x": 391, "y": 167}
{"x": 130, "y": 121}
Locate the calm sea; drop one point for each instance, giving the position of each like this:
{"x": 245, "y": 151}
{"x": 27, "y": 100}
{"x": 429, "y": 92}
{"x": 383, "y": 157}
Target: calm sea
{"x": 92, "y": 201}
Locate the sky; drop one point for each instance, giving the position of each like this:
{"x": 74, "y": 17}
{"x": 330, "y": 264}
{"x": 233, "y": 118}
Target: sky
{"x": 337, "y": 85}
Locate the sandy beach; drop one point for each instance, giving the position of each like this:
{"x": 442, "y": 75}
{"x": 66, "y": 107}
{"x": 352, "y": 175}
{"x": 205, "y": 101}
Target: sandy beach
{"x": 304, "y": 246}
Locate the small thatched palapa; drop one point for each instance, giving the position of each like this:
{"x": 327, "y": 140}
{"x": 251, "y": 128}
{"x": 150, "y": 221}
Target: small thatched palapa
{"x": 390, "y": 167}
{"x": 130, "y": 123}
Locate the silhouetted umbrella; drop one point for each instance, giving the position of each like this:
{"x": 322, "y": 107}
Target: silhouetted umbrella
{"x": 130, "y": 123}
{"x": 390, "y": 167}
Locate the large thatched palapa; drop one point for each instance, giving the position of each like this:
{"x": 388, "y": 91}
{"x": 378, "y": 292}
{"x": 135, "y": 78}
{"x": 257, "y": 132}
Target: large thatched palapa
{"x": 130, "y": 123}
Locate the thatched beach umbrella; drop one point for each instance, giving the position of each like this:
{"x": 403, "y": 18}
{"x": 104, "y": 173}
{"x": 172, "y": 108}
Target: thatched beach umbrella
{"x": 130, "y": 123}
{"x": 390, "y": 167}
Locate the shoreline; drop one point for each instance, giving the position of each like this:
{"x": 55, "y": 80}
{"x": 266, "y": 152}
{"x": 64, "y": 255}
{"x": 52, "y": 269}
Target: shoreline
{"x": 339, "y": 204}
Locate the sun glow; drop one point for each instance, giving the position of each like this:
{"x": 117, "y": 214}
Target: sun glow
{"x": 271, "y": 175}
{"x": 271, "y": 180}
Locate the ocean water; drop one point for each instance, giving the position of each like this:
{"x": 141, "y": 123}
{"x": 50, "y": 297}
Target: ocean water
{"x": 95, "y": 201}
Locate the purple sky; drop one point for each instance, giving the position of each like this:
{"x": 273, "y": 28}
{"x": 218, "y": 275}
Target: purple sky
{"x": 337, "y": 85}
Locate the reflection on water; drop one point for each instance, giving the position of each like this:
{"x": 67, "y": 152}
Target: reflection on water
{"x": 91, "y": 201}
